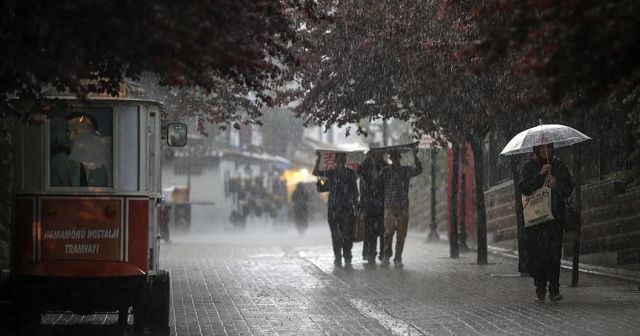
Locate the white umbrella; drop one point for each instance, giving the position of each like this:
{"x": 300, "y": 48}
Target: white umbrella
{"x": 558, "y": 135}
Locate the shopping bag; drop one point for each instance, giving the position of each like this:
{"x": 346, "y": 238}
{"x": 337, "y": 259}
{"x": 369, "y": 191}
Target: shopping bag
{"x": 322, "y": 185}
{"x": 358, "y": 226}
{"x": 537, "y": 206}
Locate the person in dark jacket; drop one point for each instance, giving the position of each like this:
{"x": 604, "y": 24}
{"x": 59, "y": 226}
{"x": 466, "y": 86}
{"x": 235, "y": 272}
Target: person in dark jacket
{"x": 341, "y": 206}
{"x": 300, "y": 199}
{"x": 372, "y": 203}
{"x": 543, "y": 242}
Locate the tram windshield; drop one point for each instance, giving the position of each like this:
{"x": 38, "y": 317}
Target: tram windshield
{"x": 81, "y": 147}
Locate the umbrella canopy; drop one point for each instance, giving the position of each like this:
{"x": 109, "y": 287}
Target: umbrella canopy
{"x": 397, "y": 148}
{"x": 558, "y": 135}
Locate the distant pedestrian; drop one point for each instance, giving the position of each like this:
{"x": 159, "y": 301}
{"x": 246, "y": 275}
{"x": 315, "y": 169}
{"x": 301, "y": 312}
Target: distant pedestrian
{"x": 300, "y": 199}
{"x": 372, "y": 204}
{"x": 343, "y": 199}
{"x": 396, "y": 203}
{"x": 543, "y": 242}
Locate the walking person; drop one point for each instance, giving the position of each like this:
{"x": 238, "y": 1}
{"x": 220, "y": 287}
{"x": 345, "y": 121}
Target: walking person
{"x": 543, "y": 242}
{"x": 396, "y": 203}
{"x": 372, "y": 203}
{"x": 341, "y": 206}
{"x": 300, "y": 213}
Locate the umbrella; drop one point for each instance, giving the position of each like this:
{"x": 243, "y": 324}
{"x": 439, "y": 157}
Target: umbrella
{"x": 397, "y": 148}
{"x": 558, "y": 135}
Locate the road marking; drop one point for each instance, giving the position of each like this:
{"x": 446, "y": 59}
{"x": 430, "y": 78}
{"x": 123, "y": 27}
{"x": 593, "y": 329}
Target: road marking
{"x": 377, "y": 312}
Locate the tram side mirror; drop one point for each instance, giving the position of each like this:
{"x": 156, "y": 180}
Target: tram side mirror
{"x": 176, "y": 134}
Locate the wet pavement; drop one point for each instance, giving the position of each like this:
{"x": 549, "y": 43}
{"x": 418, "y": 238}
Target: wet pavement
{"x": 280, "y": 283}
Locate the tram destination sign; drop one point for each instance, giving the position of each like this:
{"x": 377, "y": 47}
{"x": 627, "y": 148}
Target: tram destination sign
{"x": 81, "y": 229}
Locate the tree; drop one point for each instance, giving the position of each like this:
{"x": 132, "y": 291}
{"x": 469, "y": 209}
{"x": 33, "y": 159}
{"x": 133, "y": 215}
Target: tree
{"x": 93, "y": 46}
{"x": 208, "y": 54}
{"x": 578, "y": 51}
{"x": 388, "y": 59}
{"x": 225, "y": 103}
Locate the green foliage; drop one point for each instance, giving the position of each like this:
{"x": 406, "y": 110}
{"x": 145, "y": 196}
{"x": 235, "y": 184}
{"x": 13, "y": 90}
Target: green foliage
{"x": 92, "y": 46}
{"x": 211, "y": 109}
{"x": 577, "y": 51}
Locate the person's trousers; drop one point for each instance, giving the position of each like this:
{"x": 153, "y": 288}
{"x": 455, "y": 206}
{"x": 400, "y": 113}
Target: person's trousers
{"x": 396, "y": 221}
{"x": 341, "y": 219}
{"x": 373, "y": 228}
{"x": 551, "y": 276}
{"x": 381, "y": 255}
{"x": 543, "y": 243}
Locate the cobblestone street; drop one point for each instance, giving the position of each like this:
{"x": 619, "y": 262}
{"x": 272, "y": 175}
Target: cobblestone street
{"x": 277, "y": 283}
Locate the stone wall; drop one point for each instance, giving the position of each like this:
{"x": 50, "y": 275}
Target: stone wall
{"x": 610, "y": 234}
{"x": 501, "y": 216}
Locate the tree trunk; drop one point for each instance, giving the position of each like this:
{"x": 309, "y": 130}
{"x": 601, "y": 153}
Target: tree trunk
{"x": 463, "y": 200}
{"x": 492, "y": 175}
{"x": 454, "y": 249}
{"x": 433, "y": 233}
{"x": 481, "y": 225}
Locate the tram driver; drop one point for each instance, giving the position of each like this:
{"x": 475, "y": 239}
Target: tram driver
{"x": 72, "y": 165}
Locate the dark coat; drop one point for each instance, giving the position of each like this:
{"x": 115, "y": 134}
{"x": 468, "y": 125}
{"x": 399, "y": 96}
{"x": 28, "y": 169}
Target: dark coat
{"x": 300, "y": 199}
{"x": 543, "y": 242}
{"x": 343, "y": 188}
{"x": 372, "y": 197}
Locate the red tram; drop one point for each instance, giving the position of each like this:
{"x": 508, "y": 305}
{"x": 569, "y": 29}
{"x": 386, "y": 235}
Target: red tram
{"x": 87, "y": 204}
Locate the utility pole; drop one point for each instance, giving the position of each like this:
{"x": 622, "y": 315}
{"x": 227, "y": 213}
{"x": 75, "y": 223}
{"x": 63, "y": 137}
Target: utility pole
{"x": 575, "y": 271}
{"x": 454, "y": 249}
{"x": 517, "y": 197}
{"x": 189, "y": 163}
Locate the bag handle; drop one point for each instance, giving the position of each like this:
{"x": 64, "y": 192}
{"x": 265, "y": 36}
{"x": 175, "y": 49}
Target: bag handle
{"x": 547, "y": 179}
{"x": 569, "y": 202}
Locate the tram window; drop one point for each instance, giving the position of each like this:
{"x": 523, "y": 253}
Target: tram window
{"x": 81, "y": 148}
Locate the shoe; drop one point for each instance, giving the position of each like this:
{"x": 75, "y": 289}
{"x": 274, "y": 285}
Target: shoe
{"x": 371, "y": 260}
{"x": 337, "y": 261}
{"x": 556, "y": 297}
{"x": 347, "y": 261}
{"x": 385, "y": 261}
{"x": 540, "y": 295}
{"x": 380, "y": 257}
{"x": 397, "y": 263}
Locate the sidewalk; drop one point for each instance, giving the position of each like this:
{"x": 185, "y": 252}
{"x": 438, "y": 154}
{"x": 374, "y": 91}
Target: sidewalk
{"x": 276, "y": 282}
{"x": 436, "y": 295}
{"x": 618, "y": 273}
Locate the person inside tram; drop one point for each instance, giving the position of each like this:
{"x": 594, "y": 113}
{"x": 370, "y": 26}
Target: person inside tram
{"x": 67, "y": 169}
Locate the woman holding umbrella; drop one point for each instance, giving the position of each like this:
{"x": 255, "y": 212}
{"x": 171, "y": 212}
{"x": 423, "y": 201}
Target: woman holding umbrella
{"x": 543, "y": 242}
{"x": 542, "y": 239}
